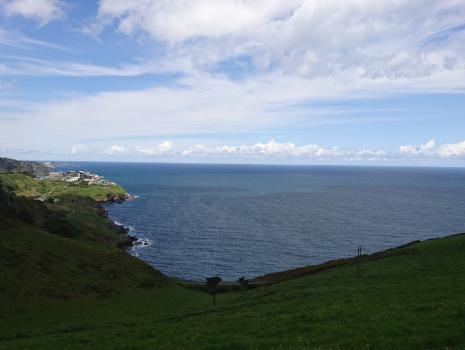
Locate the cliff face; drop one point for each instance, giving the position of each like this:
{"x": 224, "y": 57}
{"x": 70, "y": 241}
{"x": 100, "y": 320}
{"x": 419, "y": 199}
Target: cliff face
{"x": 8, "y": 165}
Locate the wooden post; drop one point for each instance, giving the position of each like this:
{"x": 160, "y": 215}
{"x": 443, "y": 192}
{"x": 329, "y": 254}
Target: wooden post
{"x": 359, "y": 254}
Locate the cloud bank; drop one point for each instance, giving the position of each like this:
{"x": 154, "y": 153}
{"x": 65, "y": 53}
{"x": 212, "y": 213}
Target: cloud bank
{"x": 273, "y": 150}
{"x": 42, "y": 11}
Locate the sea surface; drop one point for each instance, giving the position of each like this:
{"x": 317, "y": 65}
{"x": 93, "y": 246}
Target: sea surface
{"x": 249, "y": 220}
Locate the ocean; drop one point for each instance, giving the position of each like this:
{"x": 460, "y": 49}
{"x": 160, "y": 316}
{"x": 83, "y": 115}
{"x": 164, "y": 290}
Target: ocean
{"x": 249, "y": 220}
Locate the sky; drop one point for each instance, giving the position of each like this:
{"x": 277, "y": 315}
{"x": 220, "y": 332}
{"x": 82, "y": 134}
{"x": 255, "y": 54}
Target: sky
{"x": 234, "y": 81}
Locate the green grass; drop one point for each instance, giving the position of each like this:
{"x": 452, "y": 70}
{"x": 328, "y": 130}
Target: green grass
{"x": 73, "y": 206}
{"x": 414, "y": 300}
{"x": 37, "y": 264}
{"x": 27, "y": 186}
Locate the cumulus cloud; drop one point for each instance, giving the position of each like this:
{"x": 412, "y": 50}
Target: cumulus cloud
{"x": 176, "y": 21}
{"x": 163, "y": 148}
{"x": 432, "y": 150}
{"x": 273, "y": 149}
{"x": 79, "y": 149}
{"x": 115, "y": 150}
{"x": 429, "y": 148}
{"x": 373, "y": 39}
{"x": 42, "y": 11}
{"x": 452, "y": 150}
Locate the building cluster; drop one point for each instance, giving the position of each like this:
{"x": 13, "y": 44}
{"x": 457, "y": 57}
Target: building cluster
{"x": 79, "y": 178}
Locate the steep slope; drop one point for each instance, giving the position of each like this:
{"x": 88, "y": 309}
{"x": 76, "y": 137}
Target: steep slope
{"x": 36, "y": 263}
{"x": 63, "y": 247}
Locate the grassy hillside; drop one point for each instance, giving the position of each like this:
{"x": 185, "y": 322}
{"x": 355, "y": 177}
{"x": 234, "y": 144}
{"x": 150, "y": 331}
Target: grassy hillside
{"x": 63, "y": 285}
{"x": 63, "y": 247}
{"x": 27, "y": 186}
{"x": 69, "y": 210}
{"x": 412, "y": 299}
{"x": 37, "y": 264}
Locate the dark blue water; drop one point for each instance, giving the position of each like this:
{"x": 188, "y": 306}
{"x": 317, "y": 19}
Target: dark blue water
{"x": 236, "y": 220}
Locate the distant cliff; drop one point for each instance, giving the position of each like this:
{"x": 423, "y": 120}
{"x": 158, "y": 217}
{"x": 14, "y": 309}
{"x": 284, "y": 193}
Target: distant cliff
{"x": 8, "y": 165}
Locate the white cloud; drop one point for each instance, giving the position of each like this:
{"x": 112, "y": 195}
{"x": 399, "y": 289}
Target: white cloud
{"x": 79, "y": 149}
{"x": 273, "y": 149}
{"x": 176, "y": 21}
{"x": 393, "y": 40}
{"x": 115, "y": 150}
{"x": 452, "y": 150}
{"x": 291, "y": 151}
{"x": 18, "y": 40}
{"x": 408, "y": 150}
{"x": 163, "y": 148}
{"x": 27, "y": 66}
{"x": 434, "y": 151}
{"x": 42, "y": 11}
{"x": 199, "y": 104}
{"x": 428, "y": 148}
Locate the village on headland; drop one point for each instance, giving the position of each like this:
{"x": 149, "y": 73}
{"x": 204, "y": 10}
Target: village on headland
{"x": 51, "y": 184}
{"x": 78, "y": 177}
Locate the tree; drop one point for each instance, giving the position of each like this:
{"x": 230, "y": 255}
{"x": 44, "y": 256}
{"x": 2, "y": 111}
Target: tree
{"x": 212, "y": 284}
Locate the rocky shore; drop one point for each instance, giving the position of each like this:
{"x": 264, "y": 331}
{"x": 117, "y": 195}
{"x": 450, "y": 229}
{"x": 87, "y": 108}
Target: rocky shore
{"x": 125, "y": 240}
{"x": 118, "y": 198}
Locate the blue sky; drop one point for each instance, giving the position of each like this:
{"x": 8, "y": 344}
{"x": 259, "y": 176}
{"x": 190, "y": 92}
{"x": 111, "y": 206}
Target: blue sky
{"x": 257, "y": 81}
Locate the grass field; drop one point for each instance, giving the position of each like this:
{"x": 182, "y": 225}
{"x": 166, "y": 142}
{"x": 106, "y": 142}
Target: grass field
{"x": 81, "y": 293}
{"x": 413, "y": 300}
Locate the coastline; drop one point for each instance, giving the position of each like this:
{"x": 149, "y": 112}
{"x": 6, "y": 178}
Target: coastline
{"x": 125, "y": 240}
{"x": 295, "y": 273}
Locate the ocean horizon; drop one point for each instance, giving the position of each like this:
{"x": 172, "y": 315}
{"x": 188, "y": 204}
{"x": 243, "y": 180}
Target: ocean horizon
{"x": 236, "y": 220}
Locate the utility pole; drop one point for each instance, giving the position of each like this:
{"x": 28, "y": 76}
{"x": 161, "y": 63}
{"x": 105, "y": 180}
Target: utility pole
{"x": 359, "y": 254}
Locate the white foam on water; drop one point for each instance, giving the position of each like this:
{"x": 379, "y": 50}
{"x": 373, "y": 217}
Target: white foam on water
{"x": 141, "y": 243}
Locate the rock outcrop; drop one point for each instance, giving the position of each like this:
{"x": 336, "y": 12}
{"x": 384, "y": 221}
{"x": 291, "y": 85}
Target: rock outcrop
{"x": 118, "y": 198}
{"x": 124, "y": 239}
